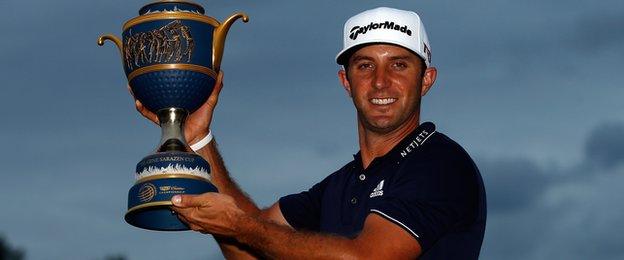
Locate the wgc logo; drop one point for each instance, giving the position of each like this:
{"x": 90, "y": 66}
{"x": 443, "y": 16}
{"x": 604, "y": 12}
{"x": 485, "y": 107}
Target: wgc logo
{"x": 147, "y": 192}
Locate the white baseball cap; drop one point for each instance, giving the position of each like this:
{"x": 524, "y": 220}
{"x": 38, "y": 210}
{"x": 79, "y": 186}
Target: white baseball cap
{"x": 385, "y": 25}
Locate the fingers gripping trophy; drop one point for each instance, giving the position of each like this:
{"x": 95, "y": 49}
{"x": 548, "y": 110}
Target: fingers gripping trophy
{"x": 171, "y": 55}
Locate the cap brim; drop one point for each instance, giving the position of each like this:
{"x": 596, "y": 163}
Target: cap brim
{"x": 343, "y": 56}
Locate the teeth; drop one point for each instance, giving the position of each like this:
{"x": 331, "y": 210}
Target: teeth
{"x": 383, "y": 101}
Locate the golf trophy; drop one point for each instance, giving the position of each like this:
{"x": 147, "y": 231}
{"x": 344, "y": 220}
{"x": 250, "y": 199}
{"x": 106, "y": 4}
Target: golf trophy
{"x": 171, "y": 54}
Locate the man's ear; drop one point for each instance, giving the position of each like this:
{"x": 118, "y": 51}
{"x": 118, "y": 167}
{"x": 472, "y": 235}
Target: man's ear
{"x": 342, "y": 75}
{"x": 428, "y": 80}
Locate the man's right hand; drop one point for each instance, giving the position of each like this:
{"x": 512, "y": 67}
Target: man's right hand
{"x": 197, "y": 124}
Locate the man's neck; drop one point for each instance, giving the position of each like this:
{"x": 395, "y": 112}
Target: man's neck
{"x": 373, "y": 144}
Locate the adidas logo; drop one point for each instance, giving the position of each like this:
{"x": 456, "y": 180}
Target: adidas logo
{"x": 378, "y": 191}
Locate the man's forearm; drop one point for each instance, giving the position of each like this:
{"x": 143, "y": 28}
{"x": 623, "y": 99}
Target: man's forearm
{"x": 273, "y": 240}
{"x": 280, "y": 242}
{"x": 260, "y": 235}
{"x": 221, "y": 178}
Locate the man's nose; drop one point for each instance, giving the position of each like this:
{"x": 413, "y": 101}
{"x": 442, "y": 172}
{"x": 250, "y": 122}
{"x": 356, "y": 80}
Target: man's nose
{"x": 381, "y": 79}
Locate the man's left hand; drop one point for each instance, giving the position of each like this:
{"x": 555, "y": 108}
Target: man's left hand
{"x": 211, "y": 212}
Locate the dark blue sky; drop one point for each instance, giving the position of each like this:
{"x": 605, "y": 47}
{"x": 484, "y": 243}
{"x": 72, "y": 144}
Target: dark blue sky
{"x": 532, "y": 89}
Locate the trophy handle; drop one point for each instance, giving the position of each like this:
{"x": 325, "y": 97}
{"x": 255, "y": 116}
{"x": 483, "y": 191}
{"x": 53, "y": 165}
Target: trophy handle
{"x": 112, "y": 38}
{"x": 218, "y": 40}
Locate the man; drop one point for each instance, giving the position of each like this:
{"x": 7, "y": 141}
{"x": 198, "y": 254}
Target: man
{"x": 410, "y": 192}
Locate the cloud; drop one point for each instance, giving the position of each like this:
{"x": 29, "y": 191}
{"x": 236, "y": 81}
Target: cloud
{"x": 540, "y": 212}
{"x": 513, "y": 183}
{"x": 595, "y": 31}
{"x": 605, "y": 145}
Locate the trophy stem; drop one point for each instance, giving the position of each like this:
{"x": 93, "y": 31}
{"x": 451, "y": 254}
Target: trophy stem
{"x": 172, "y": 125}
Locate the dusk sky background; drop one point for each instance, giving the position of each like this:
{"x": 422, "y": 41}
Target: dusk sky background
{"x": 531, "y": 89}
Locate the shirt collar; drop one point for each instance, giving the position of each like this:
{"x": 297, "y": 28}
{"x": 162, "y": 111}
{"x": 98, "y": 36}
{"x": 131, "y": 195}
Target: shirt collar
{"x": 405, "y": 147}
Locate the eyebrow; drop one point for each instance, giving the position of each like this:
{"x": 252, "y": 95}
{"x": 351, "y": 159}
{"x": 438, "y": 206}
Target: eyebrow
{"x": 364, "y": 57}
{"x": 360, "y": 57}
{"x": 402, "y": 57}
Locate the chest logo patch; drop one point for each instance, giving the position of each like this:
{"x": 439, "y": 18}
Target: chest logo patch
{"x": 378, "y": 191}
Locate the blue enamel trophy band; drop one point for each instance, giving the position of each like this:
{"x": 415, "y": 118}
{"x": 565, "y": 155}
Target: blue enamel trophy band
{"x": 166, "y": 88}
{"x": 149, "y": 202}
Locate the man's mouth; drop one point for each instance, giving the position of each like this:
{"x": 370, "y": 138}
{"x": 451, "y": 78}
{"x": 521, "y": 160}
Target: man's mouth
{"x": 382, "y": 101}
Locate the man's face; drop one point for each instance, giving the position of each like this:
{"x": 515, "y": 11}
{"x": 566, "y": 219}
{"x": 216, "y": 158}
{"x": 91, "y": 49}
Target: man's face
{"x": 386, "y": 83}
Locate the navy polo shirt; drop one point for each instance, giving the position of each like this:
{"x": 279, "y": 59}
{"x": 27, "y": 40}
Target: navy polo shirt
{"x": 427, "y": 185}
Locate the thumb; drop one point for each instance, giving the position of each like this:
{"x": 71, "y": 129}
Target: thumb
{"x": 186, "y": 201}
{"x": 214, "y": 96}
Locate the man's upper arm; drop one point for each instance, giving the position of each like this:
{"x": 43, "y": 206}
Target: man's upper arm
{"x": 382, "y": 239}
{"x": 302, "y": 210}
{"x": 379, "y": 239}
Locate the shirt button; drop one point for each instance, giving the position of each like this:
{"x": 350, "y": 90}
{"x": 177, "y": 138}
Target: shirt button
{"x": 362, "y": 177}
{"x": 353, "y": 200}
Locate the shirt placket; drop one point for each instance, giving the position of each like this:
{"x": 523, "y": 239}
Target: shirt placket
{"x": 354, "y": 196}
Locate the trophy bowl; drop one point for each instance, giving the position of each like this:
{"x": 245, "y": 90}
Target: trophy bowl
{"x": 171, "y": 54}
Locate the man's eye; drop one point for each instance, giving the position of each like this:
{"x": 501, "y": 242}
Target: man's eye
{"x": 365, "y": 66}
{"x": 399, "y": 65}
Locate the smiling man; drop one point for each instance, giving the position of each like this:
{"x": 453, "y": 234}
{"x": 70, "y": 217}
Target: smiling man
{"x": 410, "y": 192}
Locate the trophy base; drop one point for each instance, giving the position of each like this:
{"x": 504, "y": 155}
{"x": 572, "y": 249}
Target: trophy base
{"x": 149, "y": 201}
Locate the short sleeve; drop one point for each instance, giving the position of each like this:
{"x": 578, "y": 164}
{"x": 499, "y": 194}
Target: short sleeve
{"x": 429, "y": 199}
{"x": 303, "y": 210}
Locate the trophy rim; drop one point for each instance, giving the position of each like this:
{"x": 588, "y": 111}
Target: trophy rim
{"x": 170, "y": 16}
{"x": 201, "y": 8}
{"x": 148, "y": 205}
{"x": 172, "y": 66}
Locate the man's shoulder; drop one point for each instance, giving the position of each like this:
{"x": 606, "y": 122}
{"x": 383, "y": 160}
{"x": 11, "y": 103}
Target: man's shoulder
{"x": 442, "y": 168}
{"x": 442, "y": 147}
{"x": 442, "y": 155}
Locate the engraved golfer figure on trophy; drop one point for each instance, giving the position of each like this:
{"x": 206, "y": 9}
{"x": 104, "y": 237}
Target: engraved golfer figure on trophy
{"x": 171, "y": 55}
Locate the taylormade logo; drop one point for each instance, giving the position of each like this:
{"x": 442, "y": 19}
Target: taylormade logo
{"x": 357, "y": 30}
